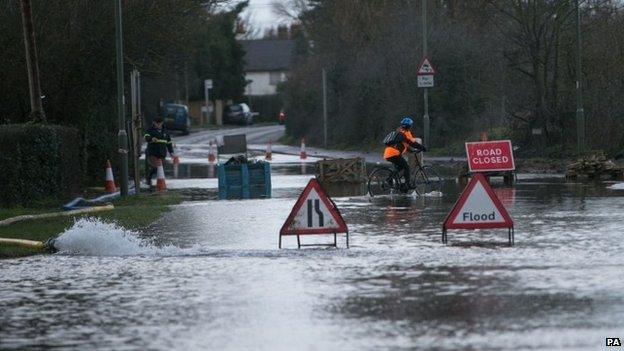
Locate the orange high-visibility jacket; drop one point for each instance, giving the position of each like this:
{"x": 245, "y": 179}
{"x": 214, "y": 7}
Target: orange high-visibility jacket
{"x": 407, "y": 139}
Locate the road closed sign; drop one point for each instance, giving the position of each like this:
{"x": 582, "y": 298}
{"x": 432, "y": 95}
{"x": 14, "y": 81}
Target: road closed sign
{"x": 478, "y": 208}
{"x": 314, "y": 213}
{"x": 490, "y": 156}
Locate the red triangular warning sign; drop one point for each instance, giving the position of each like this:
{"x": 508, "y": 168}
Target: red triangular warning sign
{"x": 314, "y": 213}
{"x": 478, "y": 208}
{"x": 426, "y": 68}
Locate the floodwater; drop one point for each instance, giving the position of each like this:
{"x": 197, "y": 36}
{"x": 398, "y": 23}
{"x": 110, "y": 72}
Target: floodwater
{"x": 209, "y": 276}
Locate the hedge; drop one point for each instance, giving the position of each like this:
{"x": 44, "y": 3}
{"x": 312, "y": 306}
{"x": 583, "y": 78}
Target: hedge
{"x": 38, "y": 163}
{"x": 267, "y": 106}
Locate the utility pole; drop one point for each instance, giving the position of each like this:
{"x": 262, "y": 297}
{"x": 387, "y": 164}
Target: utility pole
{"x": 186, "y": 87}
{"x": 426, "y": 123}
{"x": 122, "y": 136}
{"x": 324, "y": 109}
{"x": 207, "y": 87}
{"x": 34, "y": 85}
{"x": 135, "y": 89}
{"x": 580, "y": 113}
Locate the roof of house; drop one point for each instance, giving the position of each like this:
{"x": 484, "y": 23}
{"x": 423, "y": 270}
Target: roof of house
{"x": 268, "y": 54}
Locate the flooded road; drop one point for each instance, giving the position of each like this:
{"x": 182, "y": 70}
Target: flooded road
{"x": 209, "y": 276}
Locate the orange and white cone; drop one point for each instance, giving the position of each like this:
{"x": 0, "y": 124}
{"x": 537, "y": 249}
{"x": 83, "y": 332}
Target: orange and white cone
{"x": 160, "y": 177}
{"x": 303, "y": 154}
{"x": 110, "y": 181}
{"x": 211, "y": 154}
{"x": 269, "y": 154}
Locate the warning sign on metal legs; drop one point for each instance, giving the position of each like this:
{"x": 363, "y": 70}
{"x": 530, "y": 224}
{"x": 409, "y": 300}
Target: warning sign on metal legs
{"x": 314, "y": 213}
{"x": 478, "y": 208}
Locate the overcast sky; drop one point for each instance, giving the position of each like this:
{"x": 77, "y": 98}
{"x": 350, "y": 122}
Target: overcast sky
{"x": 261, "y": 14}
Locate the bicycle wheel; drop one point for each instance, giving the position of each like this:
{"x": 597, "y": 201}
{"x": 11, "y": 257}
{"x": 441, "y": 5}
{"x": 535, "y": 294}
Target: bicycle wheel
{"x": 427, "y": 180}
{"x": 382, "y": 181}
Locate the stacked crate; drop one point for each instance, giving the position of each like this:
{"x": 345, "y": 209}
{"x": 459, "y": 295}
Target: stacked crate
{"x": 244, "y": 181}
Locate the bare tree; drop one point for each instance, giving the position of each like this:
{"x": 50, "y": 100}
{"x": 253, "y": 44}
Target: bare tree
{"x": 32, "y": 63}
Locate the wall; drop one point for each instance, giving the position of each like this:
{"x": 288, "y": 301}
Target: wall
{"x": 261, "y": 83}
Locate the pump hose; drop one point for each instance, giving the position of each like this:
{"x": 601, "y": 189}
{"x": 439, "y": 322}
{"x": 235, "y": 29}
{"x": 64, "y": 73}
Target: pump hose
{"x": 31, "y": 244}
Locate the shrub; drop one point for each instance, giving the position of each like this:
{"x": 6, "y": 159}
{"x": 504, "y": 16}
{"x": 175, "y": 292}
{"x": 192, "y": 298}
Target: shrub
{"x": 267, "y": 106}
{"x": 38, "y": 163}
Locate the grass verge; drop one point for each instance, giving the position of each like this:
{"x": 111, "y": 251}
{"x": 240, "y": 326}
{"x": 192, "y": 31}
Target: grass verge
{"x": 133, "y": 212}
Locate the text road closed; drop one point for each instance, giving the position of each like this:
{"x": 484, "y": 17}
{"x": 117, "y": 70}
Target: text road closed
{"x": 490, "y": 156}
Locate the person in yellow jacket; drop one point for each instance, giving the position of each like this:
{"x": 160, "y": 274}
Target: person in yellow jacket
{"x": 397, "y": 144}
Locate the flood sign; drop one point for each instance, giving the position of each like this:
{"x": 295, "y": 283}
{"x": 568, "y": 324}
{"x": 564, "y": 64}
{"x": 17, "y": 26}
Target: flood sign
{"x": 478, "y": 208}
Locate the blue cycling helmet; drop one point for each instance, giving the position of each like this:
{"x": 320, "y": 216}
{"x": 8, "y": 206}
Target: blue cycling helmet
{"x": 407, "y": 122}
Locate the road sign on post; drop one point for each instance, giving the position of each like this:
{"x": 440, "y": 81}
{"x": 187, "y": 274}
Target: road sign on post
{"x": 314, "y": 213}
{"x": 425, "y": 74}
{"x": 478, "y": 208}
{"x": 426, "y": 68}
{"x": 490, "y": 156}
{"x": 425, "y": 80}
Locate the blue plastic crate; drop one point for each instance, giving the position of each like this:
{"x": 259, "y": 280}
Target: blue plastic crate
{"x": 246, "y": 181}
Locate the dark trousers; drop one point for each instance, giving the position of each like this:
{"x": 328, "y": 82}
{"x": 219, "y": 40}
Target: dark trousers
{"x": 151, "y": 167}
{"x": 401, "y": 165}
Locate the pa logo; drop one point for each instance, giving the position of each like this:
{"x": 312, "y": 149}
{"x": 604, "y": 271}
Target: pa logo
{"x": 614, "y": 342}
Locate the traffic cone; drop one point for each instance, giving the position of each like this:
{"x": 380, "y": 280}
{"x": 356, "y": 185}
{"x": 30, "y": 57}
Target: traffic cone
{"x": 110, "y": 181}
{"x": 160, "y": 177}
{"x": 269, "y": 154}
{"x": 211, "y": 154}
{"x": 303, "y": 154}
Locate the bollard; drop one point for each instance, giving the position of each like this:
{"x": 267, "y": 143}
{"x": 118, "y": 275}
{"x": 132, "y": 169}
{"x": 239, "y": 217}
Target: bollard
{"x": 176, "y": 165}
{"x": 303, "y": 155}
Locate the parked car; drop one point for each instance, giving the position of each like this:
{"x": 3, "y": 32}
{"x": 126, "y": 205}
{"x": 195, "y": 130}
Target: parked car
{"x": 238, "y": 114}
{"x": 281, "y": 118}
{"x": 176, "y": 117}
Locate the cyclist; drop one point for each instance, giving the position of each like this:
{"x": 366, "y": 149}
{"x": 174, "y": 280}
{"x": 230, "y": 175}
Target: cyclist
{"x": 399, "y": 144}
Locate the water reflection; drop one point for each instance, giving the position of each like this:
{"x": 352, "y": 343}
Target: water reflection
{"x": 211, "y": 170}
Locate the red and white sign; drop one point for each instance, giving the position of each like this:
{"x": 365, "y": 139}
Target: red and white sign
{"x": 490, "y": 156}
{"x": 478, "y": 208}
{"x": 426, "y": 68}
{"x": 314, "y": 213}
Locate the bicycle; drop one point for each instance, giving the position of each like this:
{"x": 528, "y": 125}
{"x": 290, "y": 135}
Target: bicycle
{"x": 384, "y": 180}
